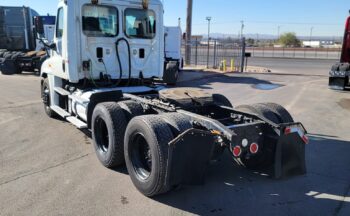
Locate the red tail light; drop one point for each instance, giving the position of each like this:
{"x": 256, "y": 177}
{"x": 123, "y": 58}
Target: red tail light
{"x": 305, "y": 139}
{"x": 237, "y": 151}
{"x": 254, "y": 148}
{"x": 345, "y": 56}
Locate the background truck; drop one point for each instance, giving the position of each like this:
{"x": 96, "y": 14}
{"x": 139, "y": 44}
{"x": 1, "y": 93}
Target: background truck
{"x": 22, "y": 36}
{"x": 106, "y": 74}
{"x": 173, "y": 38}
{"x": 340, "y": 72}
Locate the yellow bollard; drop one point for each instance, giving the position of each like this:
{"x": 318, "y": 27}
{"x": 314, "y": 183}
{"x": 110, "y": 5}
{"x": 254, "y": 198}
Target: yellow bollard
{"x": 225, "y": 65}
{"x": 232, "y": 65}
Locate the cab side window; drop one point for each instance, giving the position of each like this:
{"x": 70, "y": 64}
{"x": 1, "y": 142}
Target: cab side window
{"x": 59, "y": 24}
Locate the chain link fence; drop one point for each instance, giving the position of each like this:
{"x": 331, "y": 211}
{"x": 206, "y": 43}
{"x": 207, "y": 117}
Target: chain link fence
{"x": 298, "y": 52}
{"x": 218, "y": 53}
{"x": 214, "y": 53}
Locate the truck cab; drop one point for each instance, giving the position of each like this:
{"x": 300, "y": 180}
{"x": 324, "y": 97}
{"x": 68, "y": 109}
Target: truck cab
{"x": 103, "y": 36}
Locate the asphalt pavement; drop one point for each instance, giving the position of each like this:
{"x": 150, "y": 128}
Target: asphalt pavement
{"x": 48, "y": 167}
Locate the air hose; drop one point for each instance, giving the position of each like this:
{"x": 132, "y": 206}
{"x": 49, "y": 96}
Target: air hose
{"x": 119, "y": 61}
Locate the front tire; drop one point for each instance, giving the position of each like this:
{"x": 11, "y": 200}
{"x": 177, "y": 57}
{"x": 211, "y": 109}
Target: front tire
{"x": 46, "y": 97}
{"x": 108, "y": 129}
{"x": 146, "y": 154}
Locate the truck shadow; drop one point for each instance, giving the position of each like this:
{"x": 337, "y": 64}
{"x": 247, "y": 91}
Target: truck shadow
{"x": 232, "y": 190}
{"x": 206, "y": 82}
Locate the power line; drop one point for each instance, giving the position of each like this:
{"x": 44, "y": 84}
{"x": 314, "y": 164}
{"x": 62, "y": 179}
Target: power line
{"x": 275, "y": 23}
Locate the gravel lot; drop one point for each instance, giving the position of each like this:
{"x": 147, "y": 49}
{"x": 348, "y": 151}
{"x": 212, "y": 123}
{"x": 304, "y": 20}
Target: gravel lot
{"x": 48, "y": 167}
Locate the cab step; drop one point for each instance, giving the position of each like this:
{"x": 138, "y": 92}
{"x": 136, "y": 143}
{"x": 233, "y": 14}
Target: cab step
{"x": 75, "y": 121}
{"x": 62, "y": 91}
{"x": 61, "y": 112}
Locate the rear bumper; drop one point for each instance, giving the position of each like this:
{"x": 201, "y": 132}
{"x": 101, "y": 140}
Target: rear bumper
{"x": 338, "y": 80}
{"x": 191, "y": 152}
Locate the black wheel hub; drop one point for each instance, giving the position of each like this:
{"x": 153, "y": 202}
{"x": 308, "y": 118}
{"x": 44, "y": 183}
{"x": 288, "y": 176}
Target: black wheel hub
{"x": 141, "y": 156}
{"x": 102, "y": 136}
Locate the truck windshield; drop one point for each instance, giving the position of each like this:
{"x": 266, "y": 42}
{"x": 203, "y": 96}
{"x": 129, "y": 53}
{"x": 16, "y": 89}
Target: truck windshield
{"x": 100, "y": 21}
{"x": 140, "y": 23}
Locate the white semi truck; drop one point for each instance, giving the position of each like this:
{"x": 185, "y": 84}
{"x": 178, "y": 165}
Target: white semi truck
{"x": 106, "y": 74}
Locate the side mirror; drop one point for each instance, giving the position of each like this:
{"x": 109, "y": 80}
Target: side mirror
{"x": 52, "y": 46}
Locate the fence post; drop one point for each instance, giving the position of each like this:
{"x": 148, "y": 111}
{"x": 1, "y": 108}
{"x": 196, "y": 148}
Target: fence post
{"x": 294, "y": 52}
{"x": 215, "y": 49}
{"x": 315, "y": 52}
{"x": 243, "y": 55}
{"x": 196, "y": 53}
{"x": 208, "y": 53}
{"x": 263, "y": 49}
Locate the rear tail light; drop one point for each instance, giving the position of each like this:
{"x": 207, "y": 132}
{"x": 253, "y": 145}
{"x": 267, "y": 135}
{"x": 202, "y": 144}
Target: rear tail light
{"x": 302, "y": 135}
{"x": 254, "y": 148}
{"x": 305, "y": 139}
{"x": 288, "y": 131}
{"x": 237, "y": 151}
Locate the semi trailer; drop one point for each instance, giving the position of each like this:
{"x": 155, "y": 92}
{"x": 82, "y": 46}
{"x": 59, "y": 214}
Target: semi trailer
{"x": 106, "y": 74}
{"x": 340, "y": 72}
{"x": 23, "y": 34}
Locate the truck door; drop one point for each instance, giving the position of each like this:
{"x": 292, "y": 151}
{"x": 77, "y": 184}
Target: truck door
{"x": 58, "y": 63}
{"x": 140, "y": 28}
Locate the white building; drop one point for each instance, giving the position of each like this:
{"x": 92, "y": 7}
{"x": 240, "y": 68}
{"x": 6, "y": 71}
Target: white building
{"x": 320, "y": 44}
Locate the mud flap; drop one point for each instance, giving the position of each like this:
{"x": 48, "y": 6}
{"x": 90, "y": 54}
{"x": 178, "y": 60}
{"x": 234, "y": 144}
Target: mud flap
{"x": 189, "y": 157}
{"x": 289, "y": 156}
{"x": 337, "y": 83}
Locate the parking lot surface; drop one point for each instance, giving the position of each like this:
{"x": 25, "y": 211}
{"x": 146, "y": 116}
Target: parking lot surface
{"x": 48, "y": 167}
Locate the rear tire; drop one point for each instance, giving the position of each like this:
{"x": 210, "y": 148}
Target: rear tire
{"x": 283, "y": 115}
{"x": 131, "y": 109}
{"x": 108, "y": 130}
{"x": 177, "y": 122}
{"x": 221, "y": 100}
{"x": 146, "y": 153}
{"x": 171, "y": 73}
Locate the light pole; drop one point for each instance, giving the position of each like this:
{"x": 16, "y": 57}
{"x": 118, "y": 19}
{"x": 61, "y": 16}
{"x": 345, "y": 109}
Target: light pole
{"x": 278, "y": 32}
{"x": 311, "y": 30}
{"x": 242, "y": 28}
{"x": 209, "y": 20}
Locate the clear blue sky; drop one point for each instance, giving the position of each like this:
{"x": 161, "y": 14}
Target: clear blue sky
{"x": 263, "y": 17}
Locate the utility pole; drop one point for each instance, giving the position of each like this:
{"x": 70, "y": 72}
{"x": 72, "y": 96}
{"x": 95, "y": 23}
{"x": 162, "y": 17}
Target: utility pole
{"x": 208, "y": 19}
{"x": 278, "y": 32}
{"x": 189, "y": 31}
